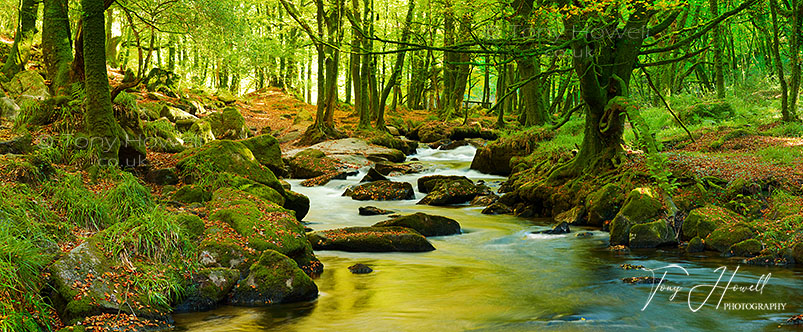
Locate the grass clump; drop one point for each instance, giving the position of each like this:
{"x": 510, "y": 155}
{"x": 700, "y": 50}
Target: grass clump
{"x": 129, "y": 198}
{"x": 78, "y": 205}
{"x": 21, "y": 279}
{"x": 156, "y": 235}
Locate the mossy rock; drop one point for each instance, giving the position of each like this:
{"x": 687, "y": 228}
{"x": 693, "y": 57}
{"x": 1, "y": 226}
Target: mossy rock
{"x": 229, "y": 124}
{"x": 496, "y": 158}
{"x": 428, "y": 183}
{"x": 651, "y": 235}
{"x": 603, "y": 204}
{"x": 311, "y": 165}
{"x": 426, "y": 224}
{"x": 274, "y": 279}
{"x": 193, "y": 224}
{"x": 620, "y": 230}
{"x": 388, "y": 141}
{"x": 267, "y": 152}
{"x": 211, "y": 159}
{"x": 220, "y": 251}
{"x": 642, "y": 205}
{"x": 191, "y": 194}
{"x": 725, "y": 236}
{"x": 203, "y": 131}
{"x": 702, "y": 221}
{"x": 234, "y": 181}
{"x": 431, "y": 132}
{"x": 695, "y": 245}
{"x": 448, "y": 192}
{"x": 208, "y": 287}
{"x": 311, "y": 153}
{"x": 746, "y": 248}
{"x": 296, "y": 202}
{"x": 370, "y": 239}
{"x": 797, "y": 253}
{"x": 79, "y": 279}
{"x": 383, "y": 191}
{"x": 263, "y": 224}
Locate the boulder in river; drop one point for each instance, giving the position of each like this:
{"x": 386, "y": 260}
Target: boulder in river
{"x": 484, "y": 200}
{"x": 373, "y": 175}
{"x": 497, "y": 208}
{"x": 643, "y": 205}
{"x": 370, "y": 239}
{"x": 373, "y": 211}
{"x": 208, "y": 287}
{"x": 458, "y": 191}
{"x": 427, "y": 183}
{"x": 651, "y": 235}
{"x": 382, "y": 191}
{"x": 426, "y": 224}
{"x": 273, "y": 279}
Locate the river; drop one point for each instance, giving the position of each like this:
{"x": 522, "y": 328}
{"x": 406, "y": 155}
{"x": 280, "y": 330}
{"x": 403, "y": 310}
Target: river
{"x": 497, "y": 276}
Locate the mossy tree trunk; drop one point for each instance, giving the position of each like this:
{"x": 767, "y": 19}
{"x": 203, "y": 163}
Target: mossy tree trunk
{"x": 25, "y": 28}
{"x": 56, "y": 46}
{"x": 716, "y": 49}
{"x": 100, "y": 120}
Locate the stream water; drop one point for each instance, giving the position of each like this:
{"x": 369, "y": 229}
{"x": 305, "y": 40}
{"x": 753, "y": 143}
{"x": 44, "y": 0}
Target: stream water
{"x": 496, "y": 276}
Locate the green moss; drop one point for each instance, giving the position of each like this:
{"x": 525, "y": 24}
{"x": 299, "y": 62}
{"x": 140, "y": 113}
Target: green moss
{"x": 191, "y": 194}
{"x": 651, "y": 235}
{"x": 310, "y": 153}
{"x": 370, "y": 239}
{"x": 427, "y": 225}
{"x": 219, "y": 250}
{"x": 267, "y": 152}
{"x": 750, "y": 247}
{"x": 229, "y": 124}
{"x": 695, "y": 245}
{"x": 274, "y": 279}
{"x": 702, "y": 221}
{"x": 264, "y": 224}
{"x": 725, "y": 236}
{"x": 193, "y": 224}
{"x": 603, "y": 204}
{"x": 642, "y": 204}
{"x": 204, "y": 164}
{"x": 160, "y": 128}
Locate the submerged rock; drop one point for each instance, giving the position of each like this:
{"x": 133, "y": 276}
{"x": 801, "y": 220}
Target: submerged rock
{"x": 373, "y": 211}
{"x": 370, "y": 239}
{"x": 642, "y": 280}
{"x": 427, "y": 225}
{"x": 562, "y": 228}
{"x": 360, "y": 269}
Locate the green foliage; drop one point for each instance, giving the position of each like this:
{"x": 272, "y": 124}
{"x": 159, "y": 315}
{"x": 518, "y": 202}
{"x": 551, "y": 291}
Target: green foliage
{"x": 78, "y": 205}
{"x": 156, "y": 235}
{"x": 21, "y": 265}
{"x": 782, "y": 155}
{"x": 29, "y": 111}
{"x": 126, "y": 100}
{"x": 129, "y": 198}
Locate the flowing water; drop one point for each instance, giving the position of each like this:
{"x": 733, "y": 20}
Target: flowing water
{"x": 497, "y": 276}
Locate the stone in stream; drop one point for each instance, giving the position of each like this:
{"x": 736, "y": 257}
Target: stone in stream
{"x": 360, "y": 269}
{"x": 370, "y": 239}
{"x": 561, "y": 228}
{"x": 484, "y": 200}
{"x": 642, "y": 280}
{"x": 584, "y": 234}
{"x": 381, "y": 191}
{"x": 427, "y": 225}
{"x": 208, "y": 287}
{"x": 373, "y": 175}
{"x": 497, "y": 208}
{"x": 273, "y": 279}
{"x": 373, "y": 211}
{"x": 427, "y": 183}
{"x": 453, "y": 191}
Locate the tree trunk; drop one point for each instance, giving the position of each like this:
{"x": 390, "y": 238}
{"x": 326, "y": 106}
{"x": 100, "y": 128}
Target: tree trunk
{"x": 56, "y": 47}
{"x": 100, "y": 119}
{"x": 716, "y": 49}
{"x": 785, "y": 109}
{"x": 397, "y": 67}
{"x": 25, "y": 28}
